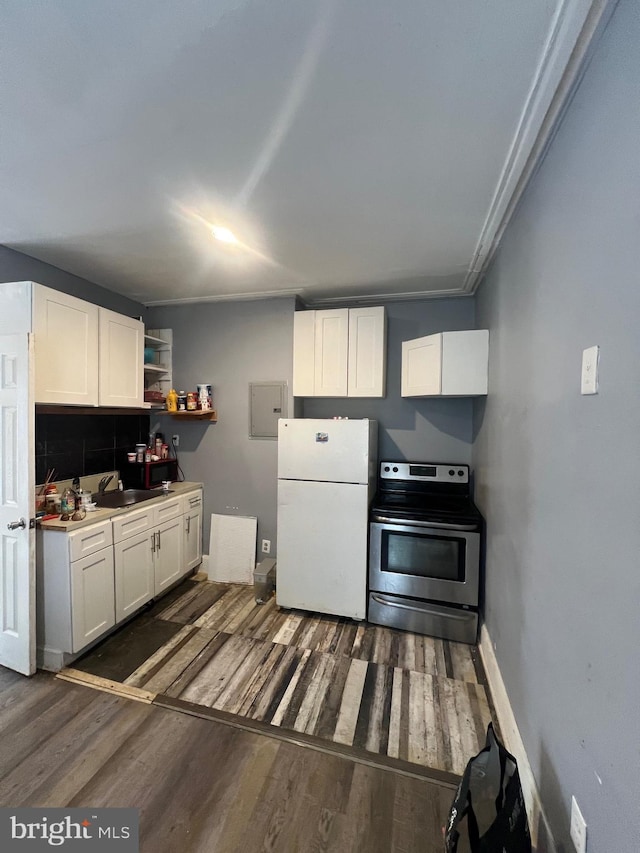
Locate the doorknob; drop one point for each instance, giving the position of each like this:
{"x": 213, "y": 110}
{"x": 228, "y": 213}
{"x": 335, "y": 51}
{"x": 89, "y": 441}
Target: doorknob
{"x": 14, "y": 525}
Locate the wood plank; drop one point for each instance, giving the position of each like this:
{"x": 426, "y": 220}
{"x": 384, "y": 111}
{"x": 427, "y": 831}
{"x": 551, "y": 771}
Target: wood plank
{"x": 288, "y": 694}
{"x": 116, "y": 688}
{"x": 462, "y": 663}
{"x": 214, "y": 676}
{"x": 149, "y": 666}
{"x": 191, "y": 606}
{"x": 160, "y": 678}
{"x": 198, "y": 663}
{"x": 286, "y": 632}
{"x": 393, "y": 746}
{"x": 350, "y": 704}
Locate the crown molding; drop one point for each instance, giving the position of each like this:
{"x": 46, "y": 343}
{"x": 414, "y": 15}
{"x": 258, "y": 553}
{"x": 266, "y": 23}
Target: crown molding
{"x": 576, "y": 30}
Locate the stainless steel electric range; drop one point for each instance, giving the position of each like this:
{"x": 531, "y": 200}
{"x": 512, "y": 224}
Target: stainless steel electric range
{"x": 424, "y": 551}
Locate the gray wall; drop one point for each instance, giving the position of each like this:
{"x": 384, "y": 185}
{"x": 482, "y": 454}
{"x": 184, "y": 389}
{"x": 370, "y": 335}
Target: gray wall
{"x": 557, "y": 473}
{"x": 415, "y": 429}
{"x": 229, "y": 345}
{"x": 14, "y": 266}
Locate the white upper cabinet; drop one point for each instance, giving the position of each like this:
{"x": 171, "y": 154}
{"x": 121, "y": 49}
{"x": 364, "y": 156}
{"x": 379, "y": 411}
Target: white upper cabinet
{"x": 331, "y": 353}
{"x": 121, "y": 376}
{"x": 339, "y": 353}
{"x": 448, "y": 364}
{"x": 367, "y": 352}
{"x": 85, "y": 355}
{"x": 66, "y": 348}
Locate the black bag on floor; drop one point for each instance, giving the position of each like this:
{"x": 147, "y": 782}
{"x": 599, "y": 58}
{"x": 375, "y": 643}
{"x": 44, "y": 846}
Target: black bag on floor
{"x": 488, "y": 813}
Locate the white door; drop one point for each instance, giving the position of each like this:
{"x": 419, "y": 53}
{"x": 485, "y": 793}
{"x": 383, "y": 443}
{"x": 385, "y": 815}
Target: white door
{"x": 66, "y": 348}
{"x": 17, "y": 479}
{"x": 92, "y": 597}
{"x": 134, "y": 573}
{"x": 192, "y": 540}
{"x": 322, "y": 547}
{"x": 331, "y": 346}
{"x": 323, "y": 449}
{"x": 367, "y": 352}
{"x": 168, "y": 556}
{"x": 121, "y": 360}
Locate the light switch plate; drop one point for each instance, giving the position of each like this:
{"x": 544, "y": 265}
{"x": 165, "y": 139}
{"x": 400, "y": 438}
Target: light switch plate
{"x": 589, "y": 382}
{"x": 578, "y": 828}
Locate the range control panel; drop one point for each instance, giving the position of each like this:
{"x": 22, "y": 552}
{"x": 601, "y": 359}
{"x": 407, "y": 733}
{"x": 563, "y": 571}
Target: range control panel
{"x": 425, "y": 472}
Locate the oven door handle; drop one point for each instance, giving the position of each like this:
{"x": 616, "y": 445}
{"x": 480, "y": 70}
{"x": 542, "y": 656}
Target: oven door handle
{"x": 435, "y": 525}
{"x": 422, "y": 608}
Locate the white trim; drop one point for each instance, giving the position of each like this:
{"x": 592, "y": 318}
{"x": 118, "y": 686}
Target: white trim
{"x": 576, "y": 29}
{"x": 226, "y": 297}
{"x": 513, "y": 742}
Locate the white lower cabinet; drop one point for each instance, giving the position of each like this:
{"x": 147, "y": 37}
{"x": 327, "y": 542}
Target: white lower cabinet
{"x": 168, "y": 564}
{"x": 92, "y": 579}
{"x": 192, "y": 555}
{"x": 75, "y": 591}
{"x": 92, "y": 598}
{"x": 134, "y": 573}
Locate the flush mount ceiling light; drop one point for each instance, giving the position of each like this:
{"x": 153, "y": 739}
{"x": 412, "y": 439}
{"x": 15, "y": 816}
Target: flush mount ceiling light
{"x": 224, "y": 235}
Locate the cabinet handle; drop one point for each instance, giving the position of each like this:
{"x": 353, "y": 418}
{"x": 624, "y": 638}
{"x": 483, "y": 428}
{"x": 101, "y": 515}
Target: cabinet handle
{"x": 158, "y": 535}
{"x": 188, "y": 523}
{"x": 153, "y": 543}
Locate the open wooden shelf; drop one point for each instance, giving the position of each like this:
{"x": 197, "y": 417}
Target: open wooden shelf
{"x": 209, "y": 415}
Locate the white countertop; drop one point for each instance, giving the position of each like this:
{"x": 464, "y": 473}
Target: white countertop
{"x": 97, "y": 515}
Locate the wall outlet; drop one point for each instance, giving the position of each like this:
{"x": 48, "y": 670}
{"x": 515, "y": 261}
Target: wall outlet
{"x": 578, "y": 828}
{"x": 266, "y": 546}
{"x": 176, "y": 440}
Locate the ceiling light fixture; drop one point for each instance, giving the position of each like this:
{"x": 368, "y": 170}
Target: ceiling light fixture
{"x": 224, "y": 234}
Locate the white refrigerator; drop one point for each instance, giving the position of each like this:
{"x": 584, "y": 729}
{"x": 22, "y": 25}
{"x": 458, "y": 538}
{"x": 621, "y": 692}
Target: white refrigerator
{"x": 326, "y": 478}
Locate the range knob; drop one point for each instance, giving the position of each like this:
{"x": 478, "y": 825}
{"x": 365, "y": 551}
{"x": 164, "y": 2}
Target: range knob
{"x": 395, "y": 469}
{"x": 460, "y": 473}
{"x": 451, "y": 472}
{"x": 386, "y": 468}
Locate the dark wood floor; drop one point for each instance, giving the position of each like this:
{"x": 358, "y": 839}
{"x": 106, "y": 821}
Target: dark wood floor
{"x": 396, "y": 694}
{"x": 200, "y": 785}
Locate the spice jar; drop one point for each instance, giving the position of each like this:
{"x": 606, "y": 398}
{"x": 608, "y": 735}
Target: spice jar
{"x": 192, "y": 401}
{"x": 182, "y": 401}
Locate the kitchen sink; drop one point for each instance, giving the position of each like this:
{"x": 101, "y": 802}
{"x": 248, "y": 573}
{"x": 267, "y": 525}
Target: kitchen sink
{"x": 128, "y": 497}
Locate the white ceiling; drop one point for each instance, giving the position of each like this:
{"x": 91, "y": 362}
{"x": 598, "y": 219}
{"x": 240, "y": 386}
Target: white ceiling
{"x": 356, "y": 148}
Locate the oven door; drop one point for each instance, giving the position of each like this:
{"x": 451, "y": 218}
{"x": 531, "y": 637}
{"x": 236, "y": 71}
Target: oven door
{"x": 438, "y": 562}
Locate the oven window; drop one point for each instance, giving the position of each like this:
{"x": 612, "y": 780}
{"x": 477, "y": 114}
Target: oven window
{"x": 438, "y": 557}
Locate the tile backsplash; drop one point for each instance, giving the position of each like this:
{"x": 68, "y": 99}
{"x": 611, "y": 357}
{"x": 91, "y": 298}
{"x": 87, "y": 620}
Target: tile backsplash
{"x": 77, "y": 445}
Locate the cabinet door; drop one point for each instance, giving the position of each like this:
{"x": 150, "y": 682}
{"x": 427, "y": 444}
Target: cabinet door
{"x": 192, "y": 540}
{"x": 331, "y": 352}
{"x": 121, "y": 360}
{"x": 304, "y": 343}
{"x": 465, "y": 363}
{"x": 168, "y": 554}
{"x": 66, "y": 348}
{"x": 422, "y": 366}
{"x": 92, "y": 597}
{"x": 134, "y": 573}
{"x": 367, "y": 352}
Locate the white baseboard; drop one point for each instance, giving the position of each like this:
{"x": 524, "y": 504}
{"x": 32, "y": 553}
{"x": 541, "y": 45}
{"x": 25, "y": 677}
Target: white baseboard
{"x": 541, "y": 836}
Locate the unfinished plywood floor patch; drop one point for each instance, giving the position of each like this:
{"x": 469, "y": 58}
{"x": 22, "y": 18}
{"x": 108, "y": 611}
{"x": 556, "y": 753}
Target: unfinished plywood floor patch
{"x": 388, "y": 692}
